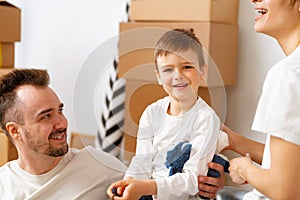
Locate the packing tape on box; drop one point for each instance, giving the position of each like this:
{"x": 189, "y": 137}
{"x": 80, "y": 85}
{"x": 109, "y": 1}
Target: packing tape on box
{"x": 0, "y": 54}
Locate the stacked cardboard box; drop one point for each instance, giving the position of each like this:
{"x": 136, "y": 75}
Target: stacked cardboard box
{"x": 8, "y": 150}
{"x": 10, "y": 25}
{"x": 10, "y": 30}
{"x": 214, "y": 22}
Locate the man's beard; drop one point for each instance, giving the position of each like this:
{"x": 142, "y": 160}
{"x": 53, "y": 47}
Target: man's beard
{"x": 37, "y": 146}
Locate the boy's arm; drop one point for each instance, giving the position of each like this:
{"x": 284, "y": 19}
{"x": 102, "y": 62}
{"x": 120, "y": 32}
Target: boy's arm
{"x": 141, "y": 164}
{"x": 132, "y": 189}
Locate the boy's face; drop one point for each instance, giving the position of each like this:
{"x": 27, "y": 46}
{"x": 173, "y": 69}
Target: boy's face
{"x": 180, "y": 74}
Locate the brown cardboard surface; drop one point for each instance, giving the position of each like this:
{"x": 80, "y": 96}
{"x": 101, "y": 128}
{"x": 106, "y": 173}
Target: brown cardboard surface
{"x": 221, "y": 11}
{"x": 8, "y": 151}
{"x": 4, "y": 71}
{"x": 10, "y": 22}
{"x": 139, "y": 94}
{"x": 137, "y": 42}
{"x": 7, "y": 52}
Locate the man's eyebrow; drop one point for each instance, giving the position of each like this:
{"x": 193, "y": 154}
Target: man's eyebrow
{"x": 44, "y": 112}
{"x": 49, "y": 110}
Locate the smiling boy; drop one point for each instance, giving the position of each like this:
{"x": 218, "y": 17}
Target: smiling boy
{"x": 180, "y": 117}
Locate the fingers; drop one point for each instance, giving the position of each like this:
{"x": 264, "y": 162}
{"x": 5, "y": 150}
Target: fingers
{"x": 116, "y": 189}
{"x": 217, "y": 167}
{"x": 208, "y": 186}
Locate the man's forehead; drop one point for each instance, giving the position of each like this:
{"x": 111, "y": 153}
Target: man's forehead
{"x": 29, "y": 94}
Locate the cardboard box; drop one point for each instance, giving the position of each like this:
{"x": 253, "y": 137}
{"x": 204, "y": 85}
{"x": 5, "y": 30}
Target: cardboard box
{"x": 221, "y": 11}
{"x": 7, "y": 52}
{"x": 8, "y": 151}
{"x": 5, "y": 71}
{"x": 140, "y": 94}
{"x": 10, "y": 22}
{"x": 137, "y": 42}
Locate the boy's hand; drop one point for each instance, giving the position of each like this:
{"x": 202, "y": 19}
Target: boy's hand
{"x": 132, "y": 189}
{"x": 209, "y": 186}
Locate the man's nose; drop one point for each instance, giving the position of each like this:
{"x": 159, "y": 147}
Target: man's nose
{"x": 60, "y": 121}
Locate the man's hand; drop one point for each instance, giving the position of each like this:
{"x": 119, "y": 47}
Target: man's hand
{"x": 209, "y": 186}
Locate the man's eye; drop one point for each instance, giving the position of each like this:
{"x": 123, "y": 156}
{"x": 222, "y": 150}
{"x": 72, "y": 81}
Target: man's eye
{"x": 61, "y": 110}
{"x": 46, "y": 116}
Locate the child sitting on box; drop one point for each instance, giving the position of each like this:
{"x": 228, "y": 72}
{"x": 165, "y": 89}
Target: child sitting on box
{"x": 181, "y": 117}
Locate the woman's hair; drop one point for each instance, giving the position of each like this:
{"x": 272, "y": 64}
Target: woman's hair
{"x": 177, "y": 40}
{"x": 10, "y": 107}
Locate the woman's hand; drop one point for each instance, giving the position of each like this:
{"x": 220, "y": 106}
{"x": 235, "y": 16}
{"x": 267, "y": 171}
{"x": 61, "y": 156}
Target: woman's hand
{"x": 237, "y": 167}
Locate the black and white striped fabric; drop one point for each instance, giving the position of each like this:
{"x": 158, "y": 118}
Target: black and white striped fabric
{"x": 110, "y": 133}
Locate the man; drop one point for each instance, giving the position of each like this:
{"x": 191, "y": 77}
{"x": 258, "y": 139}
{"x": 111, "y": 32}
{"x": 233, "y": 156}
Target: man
{"x": 31, "y": 115}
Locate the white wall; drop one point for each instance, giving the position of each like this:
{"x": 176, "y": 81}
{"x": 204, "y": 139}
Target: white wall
{"x": 60, "y": 35}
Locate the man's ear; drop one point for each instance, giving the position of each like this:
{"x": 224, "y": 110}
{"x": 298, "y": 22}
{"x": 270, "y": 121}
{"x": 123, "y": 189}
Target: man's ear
{"x": 158, "y": 77}
{"x": 13, "y": 129}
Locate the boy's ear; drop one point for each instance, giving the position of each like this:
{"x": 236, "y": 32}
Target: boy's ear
{"x": 158, "y": 77}
{"x": 203, "y": 70}
{"x": 13, "y": 129}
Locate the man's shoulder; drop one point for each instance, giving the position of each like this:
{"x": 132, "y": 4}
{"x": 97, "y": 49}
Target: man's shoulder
{"x": 101, "y": 157}
{"x": 4, "y": 168}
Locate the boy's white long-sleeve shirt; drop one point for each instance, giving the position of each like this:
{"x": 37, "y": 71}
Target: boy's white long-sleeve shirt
{"x": 159, "y": 132}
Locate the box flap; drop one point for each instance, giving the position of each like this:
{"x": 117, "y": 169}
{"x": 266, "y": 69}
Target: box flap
{"x": 5, "y": 3}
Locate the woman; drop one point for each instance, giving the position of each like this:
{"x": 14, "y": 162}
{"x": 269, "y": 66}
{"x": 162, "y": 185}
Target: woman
{"x": 277, "y": 114}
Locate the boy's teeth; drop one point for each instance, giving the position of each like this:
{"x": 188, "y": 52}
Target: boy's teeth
{"x": 261, "y": 11}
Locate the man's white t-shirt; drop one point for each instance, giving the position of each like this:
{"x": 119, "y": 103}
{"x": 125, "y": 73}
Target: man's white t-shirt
{"x": 81, "y": 174}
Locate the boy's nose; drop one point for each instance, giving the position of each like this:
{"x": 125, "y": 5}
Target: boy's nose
{"x": 178, "y": 75}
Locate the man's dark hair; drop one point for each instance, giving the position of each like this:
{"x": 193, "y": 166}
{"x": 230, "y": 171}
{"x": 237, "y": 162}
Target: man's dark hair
{"x": 10, "y": 107}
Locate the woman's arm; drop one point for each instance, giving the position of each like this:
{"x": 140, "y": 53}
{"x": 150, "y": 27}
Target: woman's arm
{"x": 282, "y": 180}
{"x": 243, "y": 145}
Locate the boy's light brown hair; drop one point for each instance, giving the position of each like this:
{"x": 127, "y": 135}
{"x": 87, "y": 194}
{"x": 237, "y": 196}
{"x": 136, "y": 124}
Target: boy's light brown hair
{"x": 177, "y": 40}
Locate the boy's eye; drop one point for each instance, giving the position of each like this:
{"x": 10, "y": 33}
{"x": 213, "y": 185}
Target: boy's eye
{"x": 188, "y": 67}
{"x": 167, "y": 70}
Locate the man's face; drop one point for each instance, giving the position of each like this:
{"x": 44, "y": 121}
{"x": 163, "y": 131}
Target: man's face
{"x": 44, "y": 127}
